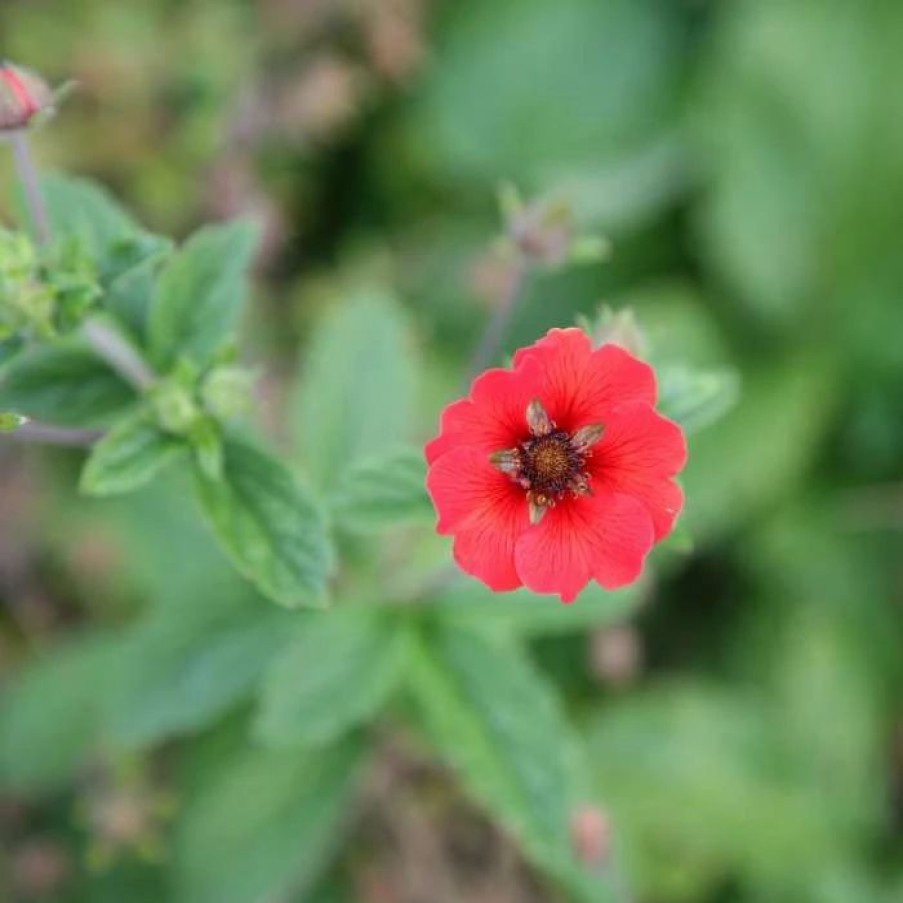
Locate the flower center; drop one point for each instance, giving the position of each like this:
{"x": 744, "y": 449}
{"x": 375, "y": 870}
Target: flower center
{"x": 551, "y": 463}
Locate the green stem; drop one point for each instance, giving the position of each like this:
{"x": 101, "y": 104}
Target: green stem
{"x": 48, "y": 434}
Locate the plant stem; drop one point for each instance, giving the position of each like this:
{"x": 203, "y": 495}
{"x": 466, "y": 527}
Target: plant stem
{"x": 56, "y": 435}
{"x": 494, "y": 334}
{"x": 29, "y": 178}
{"x": 111, "y": 346}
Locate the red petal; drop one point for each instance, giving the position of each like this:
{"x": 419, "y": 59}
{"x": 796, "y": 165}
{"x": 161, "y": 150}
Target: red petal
{"x": 637, "y": 455}
{"x": 581, "y": 385}
{"x": 605, "y": 537}
{"x": 493, "y": 417}
{"x": 483, "y": 509}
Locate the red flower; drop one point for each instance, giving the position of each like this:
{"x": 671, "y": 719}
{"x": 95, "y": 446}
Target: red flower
{"x": 558, "y": 471}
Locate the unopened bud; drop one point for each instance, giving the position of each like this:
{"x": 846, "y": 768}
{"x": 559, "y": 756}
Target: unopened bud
{"x": 175, "y": 407}
{"x": 23, "y": 96}
{"x": 616, "y": 655}
{"x": 10, "y": 422}
{"x": 226, "y": 392}
{"x": 618, "y": 328}
{"x": 591, "y": 836}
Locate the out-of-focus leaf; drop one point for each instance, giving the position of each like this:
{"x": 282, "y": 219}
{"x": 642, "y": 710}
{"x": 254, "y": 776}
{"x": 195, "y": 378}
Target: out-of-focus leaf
{"x": 383, "y": 490}
{"x": 337, "y": 671}
{"x": 268, "y": 524}
{"x": 692, "y": 778}
{"x": 264, "y": 826}
{"x": 498, "y": 723}
{"x": 356, "y": 386}
{"x": 526, "y": 614}
{"x": 805, "y": 204}
{"x": 761, "y": 449}
{"x": 199, "y": 294}
{"x": 128, "y": 456}
{"x": 696, "y": 398}
{"x": 65, "y": 384}
{"x": 182, "y": 669}
{"x": 49, "y": 716}
{"x": 549, "y": 65}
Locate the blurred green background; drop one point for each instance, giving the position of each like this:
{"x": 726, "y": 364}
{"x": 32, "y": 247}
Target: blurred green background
{"x": 746, "y": 159}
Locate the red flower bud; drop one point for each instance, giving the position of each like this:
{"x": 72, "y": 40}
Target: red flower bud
{"x": 23, "y": 95}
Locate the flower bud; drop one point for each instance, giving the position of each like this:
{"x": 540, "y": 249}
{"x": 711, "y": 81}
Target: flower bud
{"x": 175, "y": 407}
{"x": 23, "y": 95}
{"x": 619, "y": 328}
{"x": 591, "y": 836}
{"x": 226, "y": 392}
{"x": 10, "y": 421}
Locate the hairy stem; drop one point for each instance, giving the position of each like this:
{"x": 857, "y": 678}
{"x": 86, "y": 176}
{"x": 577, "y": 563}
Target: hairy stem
{"x": 29, "y": 178}
{"x": 494, "y": 335}
{"x": 111, "y": 346}
{"x": 56, "y": 435}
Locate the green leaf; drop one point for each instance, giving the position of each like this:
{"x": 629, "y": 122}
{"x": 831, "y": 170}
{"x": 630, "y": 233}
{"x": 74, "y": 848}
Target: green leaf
{"x": 383, "y": 490}
{"x": 338, "y": 670}
{"x": 49, "y": 718}
{"x": 64, "y": 384}
{"x": 356, "y": 388}
{"x": 696, "y": 398}
{"x": 125, "y": 253}
{"x": 199, "y": 294}
{"x": 499, "y": 724}
{"x": 79, "y": 207}
{"x": 527, "y": 614}
{"x": 618, "y": 58}
{"x": 129, "y": 279}
{"x": 264, "y": 826}
{"x": 183, "y": 669}
{"x": 128, "y": 456}
{"x": 268, "y": 524}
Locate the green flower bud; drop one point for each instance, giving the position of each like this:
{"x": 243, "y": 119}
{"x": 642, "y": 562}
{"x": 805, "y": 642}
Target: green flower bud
{"x": 175, "y": 407}
{"x": 226, "y": 392}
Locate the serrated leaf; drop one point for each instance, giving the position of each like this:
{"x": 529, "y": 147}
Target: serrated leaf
{"x": 267, "y": 523}
{"x": 337, "y": 671}
{"x": 50, "y": 715}
{"x": 64, "y": 384}
{"x": 132, "y": 453}
{"x": 383, "y": 490}
{"x": 499, "y": 724}
{"x": 183, "y": 669}
{"x": 527, "y": 614}
{"x": 79, "y": 207}
{"x": 696, "y": 398}
{"x": 356, "y": 386}
{"x": 264, "y": 826}
{"x": 129, "y": 279}
{"x": 199, "y": 294}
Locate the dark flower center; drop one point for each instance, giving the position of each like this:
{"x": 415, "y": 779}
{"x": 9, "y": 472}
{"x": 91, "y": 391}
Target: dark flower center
{"x": 551, "y": 463}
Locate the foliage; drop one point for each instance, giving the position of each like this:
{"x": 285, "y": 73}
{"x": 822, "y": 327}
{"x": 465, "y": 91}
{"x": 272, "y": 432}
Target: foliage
{"x": 236, "y": 592}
